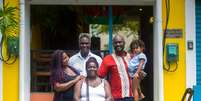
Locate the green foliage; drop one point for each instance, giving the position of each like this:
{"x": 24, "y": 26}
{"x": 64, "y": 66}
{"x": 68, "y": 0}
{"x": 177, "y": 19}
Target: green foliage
{"x": 8, "y": 26}
{"x": 126, "y": 25}
{"x": 8, "y": 20}
{"x": 13, "y": 45}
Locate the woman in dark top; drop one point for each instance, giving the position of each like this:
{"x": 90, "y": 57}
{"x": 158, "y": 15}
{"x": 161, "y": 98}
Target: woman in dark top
{"x": 63, "y": 77}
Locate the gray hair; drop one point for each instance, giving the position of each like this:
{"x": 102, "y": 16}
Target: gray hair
{"x": 118, "y": 35}
{"x": 86, "y": 35}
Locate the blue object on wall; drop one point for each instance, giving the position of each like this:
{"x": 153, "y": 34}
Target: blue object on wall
{"x": 172, "y": 52}
{"x": 197, "y": 93}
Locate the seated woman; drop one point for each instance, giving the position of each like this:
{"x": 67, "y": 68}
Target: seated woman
{"x": 63, "y": 77}
{"x": 92, "y": 88}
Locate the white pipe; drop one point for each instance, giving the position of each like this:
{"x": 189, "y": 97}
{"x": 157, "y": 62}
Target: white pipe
{"x": 1, "y": 75}
{"x": 158, "y": 53}
{"x": 24, "y": 85}
{"x": 190, "y": 36}
{"x": 1, "y": 69}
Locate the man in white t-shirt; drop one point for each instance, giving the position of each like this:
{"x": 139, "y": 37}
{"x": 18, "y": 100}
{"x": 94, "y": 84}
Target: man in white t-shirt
{"x": 78, "y": 61}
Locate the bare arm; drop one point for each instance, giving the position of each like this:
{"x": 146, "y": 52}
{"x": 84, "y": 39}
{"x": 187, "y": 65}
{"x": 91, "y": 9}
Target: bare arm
{"x": 136, "y": 75}
{"x": 107, "y": 91}
{"x": 77, "y": 90}
{"x": 65, "y": 86}
{"x": 140, "y": 66}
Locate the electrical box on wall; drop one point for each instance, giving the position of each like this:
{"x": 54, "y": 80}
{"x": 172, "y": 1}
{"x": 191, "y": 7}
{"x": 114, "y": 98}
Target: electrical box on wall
{"x": 172, "y": 52}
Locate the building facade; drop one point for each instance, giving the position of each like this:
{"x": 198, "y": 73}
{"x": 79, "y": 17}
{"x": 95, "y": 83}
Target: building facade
{"x": 181, "y": 18}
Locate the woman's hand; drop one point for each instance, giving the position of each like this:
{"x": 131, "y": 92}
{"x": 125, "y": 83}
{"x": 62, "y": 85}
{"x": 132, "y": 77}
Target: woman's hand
{"x": 78, "y": 78}
{"x": 64, "y": 86}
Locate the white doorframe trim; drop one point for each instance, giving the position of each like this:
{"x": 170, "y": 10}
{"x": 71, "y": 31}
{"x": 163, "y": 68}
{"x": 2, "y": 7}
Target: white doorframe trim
{"x": 190, "y": 36}
{"x": 24, "y": 86}
{"x": 1, "y": 70}
{"x": 92, "y": 2}
{"x": 1, "y": 76}
{"x": 1, "y": 80}
{"x": 158, "y": 53}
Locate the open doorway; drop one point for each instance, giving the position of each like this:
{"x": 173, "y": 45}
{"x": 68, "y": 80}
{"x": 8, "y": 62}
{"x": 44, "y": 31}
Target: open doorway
{"x": 147, "y": 37}
{"x": 58, "y": 27}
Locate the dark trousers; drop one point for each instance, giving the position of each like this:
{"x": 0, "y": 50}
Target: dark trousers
{"x": 125, "y": 99}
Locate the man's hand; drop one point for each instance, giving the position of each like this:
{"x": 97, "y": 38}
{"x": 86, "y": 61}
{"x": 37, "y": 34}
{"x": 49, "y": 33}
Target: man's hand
{"x": 136, "y": 76}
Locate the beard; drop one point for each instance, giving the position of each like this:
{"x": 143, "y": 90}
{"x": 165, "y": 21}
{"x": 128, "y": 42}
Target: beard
{"x": 119, "y": 49}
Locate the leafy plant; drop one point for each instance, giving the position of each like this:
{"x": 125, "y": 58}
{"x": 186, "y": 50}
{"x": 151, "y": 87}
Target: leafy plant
{"x": 8, "y": 26}
{"x": 130, "y": 26}
{"x": 8, "y": 20}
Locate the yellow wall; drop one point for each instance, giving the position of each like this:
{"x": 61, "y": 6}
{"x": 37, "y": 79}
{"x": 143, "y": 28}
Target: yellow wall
{"x": 11, "y": 72}
{"x": 175, "y": 82}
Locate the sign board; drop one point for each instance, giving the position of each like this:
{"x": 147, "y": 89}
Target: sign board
{"x": 174, "y": 33}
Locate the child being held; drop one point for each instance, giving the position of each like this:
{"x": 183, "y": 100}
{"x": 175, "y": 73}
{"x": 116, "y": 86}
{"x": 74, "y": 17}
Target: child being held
{"x": 136, "y": 66}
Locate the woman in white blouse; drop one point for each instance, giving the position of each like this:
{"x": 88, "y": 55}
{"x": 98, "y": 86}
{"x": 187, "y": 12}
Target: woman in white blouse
{"x": 92, "y": 88}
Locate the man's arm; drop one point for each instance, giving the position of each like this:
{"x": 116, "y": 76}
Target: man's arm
{"x": 104, "y": 68}
{"x": 99, "y": 59}
{"x": 70, "y": 61}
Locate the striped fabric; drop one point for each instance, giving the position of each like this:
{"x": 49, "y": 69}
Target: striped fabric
{"x": 117, "y": 69}
{"x": 123, "y": 74}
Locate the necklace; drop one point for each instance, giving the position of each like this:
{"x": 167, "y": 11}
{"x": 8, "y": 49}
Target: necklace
{"x": 94, "y": 83}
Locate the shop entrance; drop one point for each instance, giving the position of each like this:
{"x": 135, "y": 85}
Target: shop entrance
{"x": 58, "y": 27}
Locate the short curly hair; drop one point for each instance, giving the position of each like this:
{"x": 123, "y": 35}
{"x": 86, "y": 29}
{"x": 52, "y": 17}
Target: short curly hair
{"x": 92, "y": 59}
{"x": 84, "y": 35}
{"x": 137, "y": 43}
